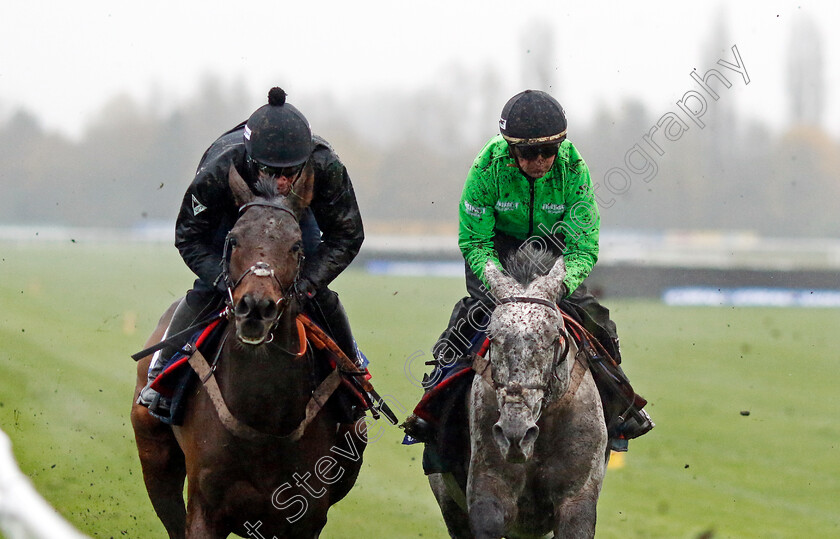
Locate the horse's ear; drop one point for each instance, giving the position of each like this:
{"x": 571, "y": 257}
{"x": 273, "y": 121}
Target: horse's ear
{"x": 551, "y": 284}
{"x": 558, "y": 271}
{"x": 500, "y": 284}
{"x": 301, "y": 194}
{"x": 242, "y": 194}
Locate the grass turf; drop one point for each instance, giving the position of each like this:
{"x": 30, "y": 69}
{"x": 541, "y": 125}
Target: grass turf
{"x": 73, "y": 313}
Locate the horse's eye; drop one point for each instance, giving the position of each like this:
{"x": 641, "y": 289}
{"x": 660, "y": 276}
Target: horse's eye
{"x": 297, "y": 246}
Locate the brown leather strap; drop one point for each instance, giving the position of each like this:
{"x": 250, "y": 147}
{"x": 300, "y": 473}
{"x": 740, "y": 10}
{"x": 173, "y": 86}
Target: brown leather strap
{"x": 321, "y": 340}
{"x": 482, "y": 367}
{"x": 242, "y": 430}
{"x": 357, "y": 376}
{"x": 575, "y": 378}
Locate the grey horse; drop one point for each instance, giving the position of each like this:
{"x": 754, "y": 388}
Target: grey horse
{"x": 536, "y": 424}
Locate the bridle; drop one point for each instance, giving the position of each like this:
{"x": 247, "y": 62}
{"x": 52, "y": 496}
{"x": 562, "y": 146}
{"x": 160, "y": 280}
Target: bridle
{"x": 259, "y": 269}
{"x": 562, "y": 342}
{"x": 561, "y": 349}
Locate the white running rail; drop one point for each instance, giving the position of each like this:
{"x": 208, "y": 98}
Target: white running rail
{"x": 24, "y": 514}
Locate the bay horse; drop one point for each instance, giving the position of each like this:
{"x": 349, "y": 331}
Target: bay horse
{"x": 537, "y": 437}
{"x": 278, "y": 472}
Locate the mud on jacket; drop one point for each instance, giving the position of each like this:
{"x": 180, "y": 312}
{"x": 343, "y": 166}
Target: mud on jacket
{"x": 208, "y": 211}
{"x": 558, "y": 209}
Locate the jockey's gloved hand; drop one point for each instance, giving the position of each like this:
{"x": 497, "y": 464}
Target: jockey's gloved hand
{"x": 305, "y": 291}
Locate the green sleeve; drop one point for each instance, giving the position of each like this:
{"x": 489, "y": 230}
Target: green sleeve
{"x": 477, "y": 220}
{"x": 581, "y": 223}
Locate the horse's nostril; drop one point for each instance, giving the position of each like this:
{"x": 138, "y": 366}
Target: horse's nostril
{"x": 530, "y": 436}
{"x": 259, "y": 309}
{"x": 267, "y": 309}
{"x": 244, "y": 306}
{"x": 501, "y": 440}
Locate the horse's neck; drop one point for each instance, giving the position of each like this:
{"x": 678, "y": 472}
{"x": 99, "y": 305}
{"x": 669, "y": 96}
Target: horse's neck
{"x": 268, "y": 385}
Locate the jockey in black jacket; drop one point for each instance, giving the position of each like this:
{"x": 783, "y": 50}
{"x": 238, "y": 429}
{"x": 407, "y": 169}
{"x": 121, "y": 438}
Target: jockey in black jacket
{"x": 275, "y": 144}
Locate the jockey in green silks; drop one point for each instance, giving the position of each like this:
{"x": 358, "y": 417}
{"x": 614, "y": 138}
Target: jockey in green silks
{"x": 530, "y": 185}
{"x": 557, "y": 208}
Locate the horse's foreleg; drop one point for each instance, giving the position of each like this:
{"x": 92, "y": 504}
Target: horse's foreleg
{"x": 199, "y": 525}
{"x": 487, "y": 518}
{"x": 575, "y": 517}
{"x": 455, "y": 518}
{"x": 163, "y": 469}
{"x": 491, "y": 506}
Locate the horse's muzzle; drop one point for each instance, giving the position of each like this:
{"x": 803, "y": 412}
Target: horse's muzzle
{"x": 516, "y": 433}
{"x": 255, "y": 319}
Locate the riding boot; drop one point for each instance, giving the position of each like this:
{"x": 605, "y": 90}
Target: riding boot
{"x": 327, "y": 310}
{"x": 148, "y": 397}
{"x": 184, "y": 316}
{"x": 623, "y": 408}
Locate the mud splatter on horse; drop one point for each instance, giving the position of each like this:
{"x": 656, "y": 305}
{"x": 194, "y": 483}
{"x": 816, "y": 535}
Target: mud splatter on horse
{"x": 536, "y": 425}
{"x": 240, "y": 478}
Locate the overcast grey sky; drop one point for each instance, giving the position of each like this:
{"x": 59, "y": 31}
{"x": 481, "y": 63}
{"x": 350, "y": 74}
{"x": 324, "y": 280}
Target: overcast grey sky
{"x": 64, "y": 60}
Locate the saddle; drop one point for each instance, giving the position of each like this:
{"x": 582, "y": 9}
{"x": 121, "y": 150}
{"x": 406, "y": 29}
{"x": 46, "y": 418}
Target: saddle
{"x": 350, "y": 400}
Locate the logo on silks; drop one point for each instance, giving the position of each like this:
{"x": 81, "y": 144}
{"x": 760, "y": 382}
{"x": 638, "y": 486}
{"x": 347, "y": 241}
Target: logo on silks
{"x": 475, "y": 211}
{"x": 554, "y": 208}
{"x": 505, "y": 205}
{"x": 198, "y": 207}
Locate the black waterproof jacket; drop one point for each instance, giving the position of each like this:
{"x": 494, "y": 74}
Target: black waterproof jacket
{"x": 208, "y": 212}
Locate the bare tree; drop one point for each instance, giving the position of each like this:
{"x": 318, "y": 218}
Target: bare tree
{"x": 805, "y": 73}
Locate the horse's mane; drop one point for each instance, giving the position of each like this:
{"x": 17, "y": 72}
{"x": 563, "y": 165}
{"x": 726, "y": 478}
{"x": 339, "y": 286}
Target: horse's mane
{"x": 529, "y": 262}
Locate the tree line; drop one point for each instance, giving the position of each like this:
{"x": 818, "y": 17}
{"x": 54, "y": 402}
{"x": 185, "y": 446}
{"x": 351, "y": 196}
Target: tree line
{"x": 408, "y": 154}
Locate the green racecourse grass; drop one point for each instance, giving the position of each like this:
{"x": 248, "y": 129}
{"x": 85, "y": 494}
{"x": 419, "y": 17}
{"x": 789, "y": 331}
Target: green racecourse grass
{"x": 73, "y": 313}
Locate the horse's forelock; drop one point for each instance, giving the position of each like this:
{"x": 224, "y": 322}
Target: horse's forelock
{"x": 529, "y": 262}
{"x": 266, "y": 192}
{"x": 267, "y": 189}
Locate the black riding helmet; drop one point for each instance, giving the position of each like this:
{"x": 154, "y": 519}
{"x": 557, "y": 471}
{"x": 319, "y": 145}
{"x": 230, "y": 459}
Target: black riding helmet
{"x": 277, "y": 134}
{"x": 532, "y": 117}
